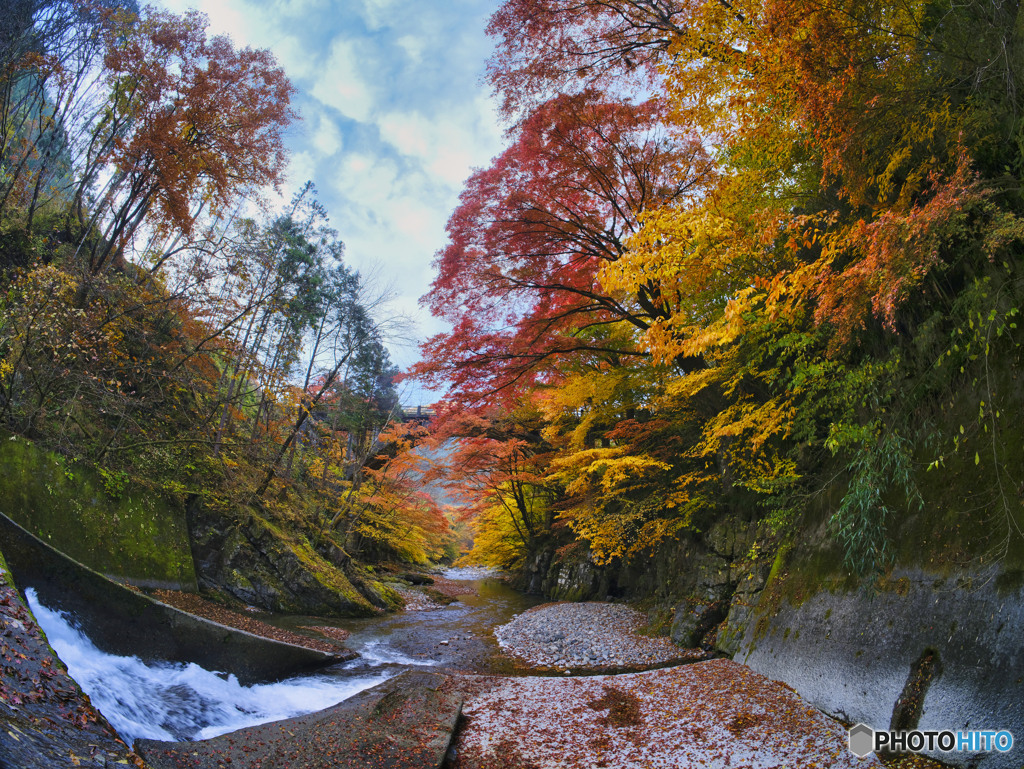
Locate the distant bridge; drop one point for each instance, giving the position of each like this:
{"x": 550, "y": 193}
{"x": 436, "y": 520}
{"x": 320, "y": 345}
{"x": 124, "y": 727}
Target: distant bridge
{"x": 418, "y": 414}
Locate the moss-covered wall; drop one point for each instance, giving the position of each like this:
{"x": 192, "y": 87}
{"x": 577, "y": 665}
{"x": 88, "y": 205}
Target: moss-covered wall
{"x": 117, "y": 528}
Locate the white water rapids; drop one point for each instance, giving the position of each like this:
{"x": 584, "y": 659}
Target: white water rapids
{"x": 171, "y": 701}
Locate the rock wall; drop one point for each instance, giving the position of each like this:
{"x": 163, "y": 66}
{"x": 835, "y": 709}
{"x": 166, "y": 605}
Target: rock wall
{"x": 249, "y": 558}
{"x": 936, "y": 648}
{"x": 687, "y": 584}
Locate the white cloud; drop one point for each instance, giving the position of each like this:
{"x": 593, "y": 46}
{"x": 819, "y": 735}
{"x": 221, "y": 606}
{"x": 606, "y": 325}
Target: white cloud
{"x": 413, "y": 45}
{"x": 449, "y": 146}
{"x": 302, "y": 168}
{"x": 378, "y": 13}
{"x": 394, "y": 120}
{"x": 327, "y": 137}
{"x": 408, "y": 132}
{"x": 417, "y": 221}
{"x": 341, "y": 84}
{"x": 293, "y": 56}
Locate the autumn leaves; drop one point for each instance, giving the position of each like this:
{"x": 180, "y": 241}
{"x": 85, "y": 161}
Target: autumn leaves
{"x": 155, "y": 320}
{"x": 721, "y": 255}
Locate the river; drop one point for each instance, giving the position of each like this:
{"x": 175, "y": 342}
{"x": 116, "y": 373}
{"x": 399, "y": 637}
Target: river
{"x": 168, "y": 701}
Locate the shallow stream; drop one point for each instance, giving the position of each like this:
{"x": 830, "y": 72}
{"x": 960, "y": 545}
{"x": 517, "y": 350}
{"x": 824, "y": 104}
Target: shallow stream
{"x": 169, "y": 701}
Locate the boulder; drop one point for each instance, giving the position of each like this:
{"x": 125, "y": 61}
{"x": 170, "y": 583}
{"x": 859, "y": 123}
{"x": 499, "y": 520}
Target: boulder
{"x": 251, "y": 559}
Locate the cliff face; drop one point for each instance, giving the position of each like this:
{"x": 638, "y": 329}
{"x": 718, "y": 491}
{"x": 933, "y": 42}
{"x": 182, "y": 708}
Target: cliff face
{"x": 688, "y": 584}
{"x": 259, "y": 564}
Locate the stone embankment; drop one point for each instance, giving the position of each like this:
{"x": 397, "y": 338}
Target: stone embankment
{"x": 587, "y": 636}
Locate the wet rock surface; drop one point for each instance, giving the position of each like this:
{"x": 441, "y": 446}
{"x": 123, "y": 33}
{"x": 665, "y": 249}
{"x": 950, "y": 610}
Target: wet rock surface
{"x": 587, "y": 636}
{"x": 405, "y": 723}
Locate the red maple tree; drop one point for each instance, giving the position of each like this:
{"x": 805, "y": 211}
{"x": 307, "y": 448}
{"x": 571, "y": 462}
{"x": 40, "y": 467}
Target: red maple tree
{"x": 518, "y": 278}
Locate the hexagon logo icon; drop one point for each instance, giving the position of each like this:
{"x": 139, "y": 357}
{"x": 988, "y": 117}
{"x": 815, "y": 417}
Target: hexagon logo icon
{"x": 862, "y": 740}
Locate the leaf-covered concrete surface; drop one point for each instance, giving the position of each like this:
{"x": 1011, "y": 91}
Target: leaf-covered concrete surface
{"x": 706, "y": 715}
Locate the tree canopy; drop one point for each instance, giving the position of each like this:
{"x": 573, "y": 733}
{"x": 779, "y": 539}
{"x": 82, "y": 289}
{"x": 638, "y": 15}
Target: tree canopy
{"x": 741, "y": 254}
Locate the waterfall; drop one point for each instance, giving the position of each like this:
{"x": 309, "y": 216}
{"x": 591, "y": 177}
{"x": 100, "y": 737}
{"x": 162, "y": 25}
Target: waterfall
{"x": 175, "y": 701}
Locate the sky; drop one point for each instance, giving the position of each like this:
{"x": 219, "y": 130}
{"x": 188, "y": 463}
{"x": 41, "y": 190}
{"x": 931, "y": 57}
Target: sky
{"x": 394, "y": 118}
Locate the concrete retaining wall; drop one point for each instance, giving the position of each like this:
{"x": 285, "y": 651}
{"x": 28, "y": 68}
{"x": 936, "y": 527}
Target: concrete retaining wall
{"x": 851, "y": 654}
{"x": 122, "y": 621}
{"x": 134, "y": 535}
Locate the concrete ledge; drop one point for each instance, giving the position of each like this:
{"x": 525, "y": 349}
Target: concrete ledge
{"x": 405, "y": 723}
{"x": 852, "y": 654}
{"x": 123, "y": 621}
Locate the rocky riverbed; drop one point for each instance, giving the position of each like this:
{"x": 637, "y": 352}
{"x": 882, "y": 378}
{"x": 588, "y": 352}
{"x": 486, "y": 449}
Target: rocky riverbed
{"x": 587, "y": 636}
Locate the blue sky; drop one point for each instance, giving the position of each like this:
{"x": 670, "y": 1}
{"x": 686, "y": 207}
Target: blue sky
{"x": 394, "y": 119}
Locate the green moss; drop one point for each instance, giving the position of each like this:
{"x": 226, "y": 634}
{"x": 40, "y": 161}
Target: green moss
{"x": 140, "y": 536}
{"x": 970, "y": 500}
{"x": 240, "y": 579}
{"x": 5, "y": 573}
{"x": 779, "y": 562}
{"x": 327, "y": 574}
{"x": 797, "y": 575}
{"x": 659, "y": 621}
{"x": 886, "y": 584}
{"x": 1010, "y": 581}
{"x": 394, "y": 601}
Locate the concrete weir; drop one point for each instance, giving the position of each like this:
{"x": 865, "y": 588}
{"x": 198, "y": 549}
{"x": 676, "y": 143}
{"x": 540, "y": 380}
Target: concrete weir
{"x": 126, "y": 622}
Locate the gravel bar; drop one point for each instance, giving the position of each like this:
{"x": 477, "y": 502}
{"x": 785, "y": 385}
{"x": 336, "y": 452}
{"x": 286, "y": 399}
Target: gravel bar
{"x": 587, "y": 636}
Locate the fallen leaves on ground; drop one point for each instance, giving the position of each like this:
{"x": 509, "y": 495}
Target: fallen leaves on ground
{"x": 453, "y": 588}
{"x": 704, "y": 715}
{"x": 337, "y": 633}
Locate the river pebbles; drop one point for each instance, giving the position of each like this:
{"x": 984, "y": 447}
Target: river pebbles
{"x": 595, "y": 636}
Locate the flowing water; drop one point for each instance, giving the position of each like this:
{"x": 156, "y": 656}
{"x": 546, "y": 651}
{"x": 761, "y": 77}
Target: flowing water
{"x": 171, "y": 701}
